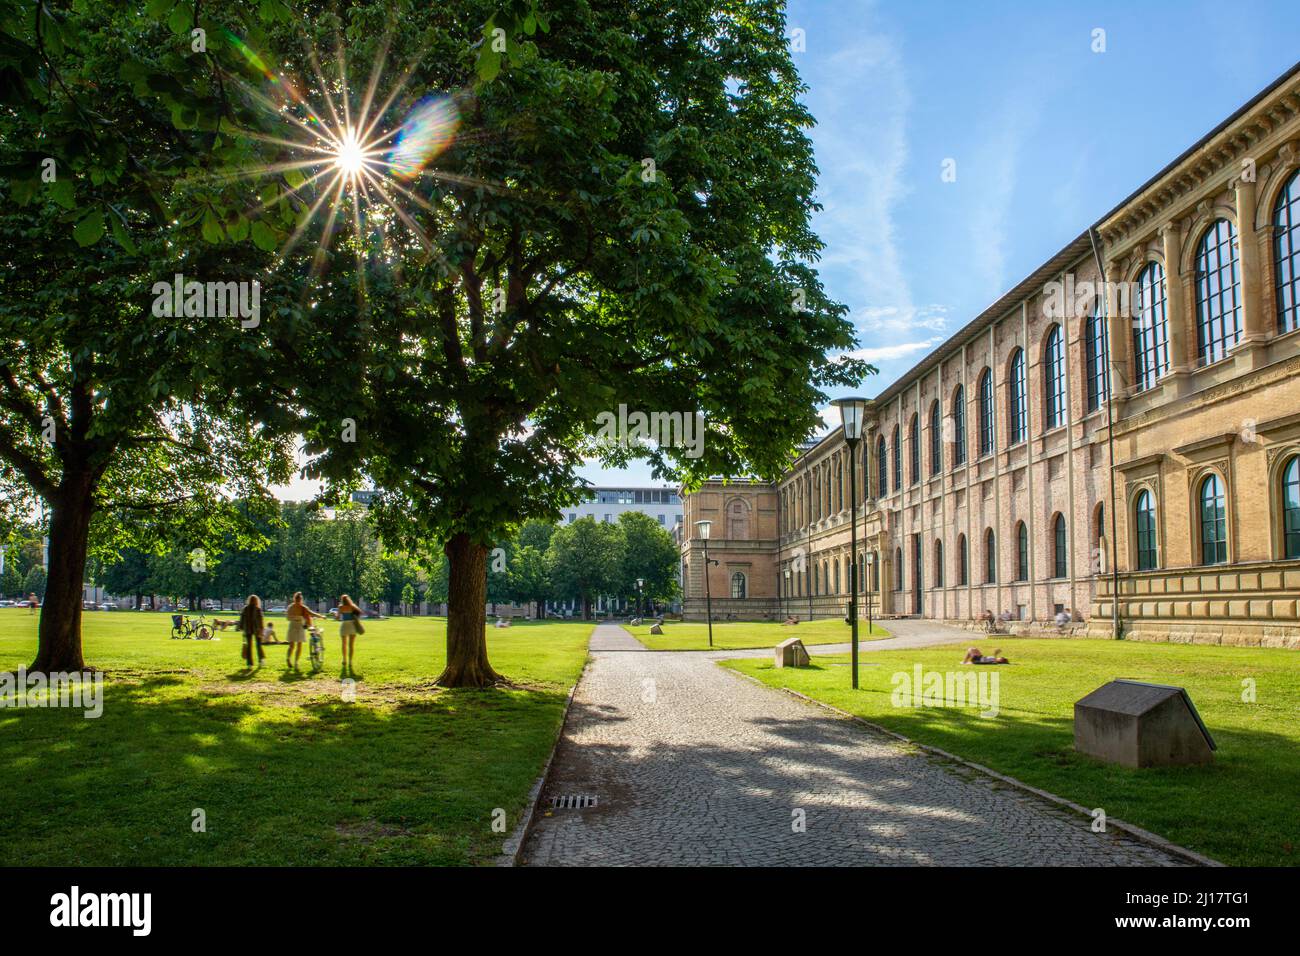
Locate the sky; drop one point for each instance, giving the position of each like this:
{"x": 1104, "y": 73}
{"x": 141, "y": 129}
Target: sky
{"x": 1044, "y": 136}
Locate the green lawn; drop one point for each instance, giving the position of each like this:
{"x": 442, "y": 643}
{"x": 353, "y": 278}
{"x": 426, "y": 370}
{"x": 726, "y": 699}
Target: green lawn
{"x": 1241, "y": 810}
{"x": 286, "y": 771}
{"x": 741, "y": 634}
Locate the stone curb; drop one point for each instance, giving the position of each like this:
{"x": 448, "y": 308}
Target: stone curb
{"x": 514, "y": 844}
{"x": 1136, "y": 832}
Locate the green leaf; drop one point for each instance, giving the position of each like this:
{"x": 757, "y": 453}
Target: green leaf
{"x": 121, "y": 235}
{"x": 157, "y": 8}
{"x": 180, "y": 20}
{"x": 264, "y": 237}
{"x": 211, "y": 227}
{"x": 61, "y": 192}
{"x": 89, "y": 230}
{"x": 489, "y": 64}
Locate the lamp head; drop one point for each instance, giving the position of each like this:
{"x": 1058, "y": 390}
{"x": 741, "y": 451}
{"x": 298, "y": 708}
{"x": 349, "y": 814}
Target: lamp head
{"x": 852, "y": 412}
{"x": 703, "y": 527}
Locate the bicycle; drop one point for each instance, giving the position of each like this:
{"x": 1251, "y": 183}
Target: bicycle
{"x": 184, "y": 629}
{"x": 317, "y": 649}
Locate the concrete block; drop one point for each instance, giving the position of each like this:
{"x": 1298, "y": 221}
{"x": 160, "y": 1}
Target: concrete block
{"x": 792, "y": 653}
{"x": 1136, "y": 724}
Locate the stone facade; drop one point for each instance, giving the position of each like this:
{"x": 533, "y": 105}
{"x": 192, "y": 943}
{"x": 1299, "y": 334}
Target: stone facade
{"x": 1080, "y": 436}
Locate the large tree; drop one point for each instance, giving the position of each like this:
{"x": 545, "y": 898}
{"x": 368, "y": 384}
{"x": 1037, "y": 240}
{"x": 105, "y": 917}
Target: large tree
{"x": 623, "y": 219}
{"x": 649, "y": 556}
{"x": 120, "y": 420}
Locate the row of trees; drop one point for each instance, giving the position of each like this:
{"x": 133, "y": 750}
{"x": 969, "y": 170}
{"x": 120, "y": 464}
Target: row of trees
{"x": 325, "y": 556}
{"x": 623, "y": 216}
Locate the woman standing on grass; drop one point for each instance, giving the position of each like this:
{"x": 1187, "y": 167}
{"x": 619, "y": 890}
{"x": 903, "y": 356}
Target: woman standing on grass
{"x": 299, "y": 616}
{"x": 250, "y": 622}
{"x": 349, "y": 616}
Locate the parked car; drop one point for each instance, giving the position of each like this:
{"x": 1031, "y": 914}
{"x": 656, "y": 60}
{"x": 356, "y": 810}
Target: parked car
{"x": 108, "y": 607}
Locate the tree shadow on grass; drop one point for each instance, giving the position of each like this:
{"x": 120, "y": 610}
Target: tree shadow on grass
{"x": 280, "y": 781}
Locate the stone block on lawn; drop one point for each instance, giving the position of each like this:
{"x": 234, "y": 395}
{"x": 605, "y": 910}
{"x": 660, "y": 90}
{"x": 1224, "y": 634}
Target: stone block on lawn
{"x": 656, "y": 629}
{"x": 1136, "y": 724}
{"x": 792, "y": 653}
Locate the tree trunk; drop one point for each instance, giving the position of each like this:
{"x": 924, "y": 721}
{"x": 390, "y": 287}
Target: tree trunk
{"x": 467, "y": 662}
{"x": 58, "y": 647}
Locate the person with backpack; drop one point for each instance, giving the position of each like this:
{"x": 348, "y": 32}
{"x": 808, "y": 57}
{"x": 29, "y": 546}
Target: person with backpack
{"x": 251, "y": 623}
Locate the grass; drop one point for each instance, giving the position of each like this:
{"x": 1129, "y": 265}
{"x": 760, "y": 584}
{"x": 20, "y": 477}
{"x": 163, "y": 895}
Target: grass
{"x": 1241, "y": 810}
{"x": 736, "y": 635}
{"x": 286, "y": 771}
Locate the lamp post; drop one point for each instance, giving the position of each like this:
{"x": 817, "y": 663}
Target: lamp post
{"x": 851, "y": 412}
{"x": 787, "y": 592}
{"x": 703, "y": 528}
{"x": 640, "y": 583}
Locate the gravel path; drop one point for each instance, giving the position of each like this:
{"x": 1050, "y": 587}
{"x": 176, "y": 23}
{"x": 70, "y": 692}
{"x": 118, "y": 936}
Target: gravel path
{"x": 693, "y": 765}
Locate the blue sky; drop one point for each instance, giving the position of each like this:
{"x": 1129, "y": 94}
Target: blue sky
{"x": 1046, "y": 135}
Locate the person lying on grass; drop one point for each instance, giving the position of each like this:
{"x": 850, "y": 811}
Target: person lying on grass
{"x": 973, "y": 656}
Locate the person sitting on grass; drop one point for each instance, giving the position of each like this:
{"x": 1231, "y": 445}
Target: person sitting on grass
{"x": 250, "y": 622}
{"x": 268, "y": 634}
{"x": 790, "y": 620}
{"x": 973, "y": 656}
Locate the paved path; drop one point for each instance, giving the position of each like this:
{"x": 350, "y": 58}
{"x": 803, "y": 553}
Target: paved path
{"x": 694, "y": 765}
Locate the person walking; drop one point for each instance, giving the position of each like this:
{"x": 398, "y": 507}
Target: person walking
{"x": 250, "y": 623}
{"x": 299, "y": 616}
{"x": 32, "y": 603}
{"x": 349, "y": 616}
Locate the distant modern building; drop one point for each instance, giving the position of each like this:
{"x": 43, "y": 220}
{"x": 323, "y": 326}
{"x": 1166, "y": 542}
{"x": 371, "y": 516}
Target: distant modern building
{"x": 606, "y": 504}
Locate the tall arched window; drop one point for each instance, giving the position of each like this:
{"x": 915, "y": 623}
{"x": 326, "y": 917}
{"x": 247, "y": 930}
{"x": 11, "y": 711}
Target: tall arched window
{"x": 1291, "y": 508}
{"x": 936, "y": 438}
{"x": 1054, "y": 379}
{"x": 987, "y": 421}
{"x": 882, "y": 467}
{"x": 1214, "y": 522}
{"x": 837, "y": 577}
{"x": 738, "y": 585}
{"x": 1022, "y": 552}
{"x": 875, "y": 571}
{"x": 1060, "y": 564}
{"x": 1096, "y": 352}
{"x": 1150, "y": 329}
{"x": 1218, "y": 292}
{"x": 898, "y": 459}
{"x": 959, "y": 426}
{"x": 938, "y": 563}
{"x": 1016, "y": 390}
{"x": 1286, "y": 255}
{"x": 914, "y": 447}
{"x": 898, "y": 569}
{"x": 1144, "y": 524}
{"x": 963, "y": 568}
{"x": 990, "y": 558}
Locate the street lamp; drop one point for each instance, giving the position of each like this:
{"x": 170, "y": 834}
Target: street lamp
{"x": 640, "y": 583}
{"x": 703, "y": 528}
{"x": 851, "y": 414}
{"x": 787, "y": 592}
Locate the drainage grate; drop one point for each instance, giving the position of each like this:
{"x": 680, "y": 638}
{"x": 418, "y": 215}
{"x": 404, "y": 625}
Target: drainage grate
{"x": 571, "y": 802}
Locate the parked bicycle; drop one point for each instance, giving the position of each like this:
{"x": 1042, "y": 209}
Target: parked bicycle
{"x": 185, "y": 628}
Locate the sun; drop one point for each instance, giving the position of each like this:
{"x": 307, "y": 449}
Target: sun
{"x": 350, "y": 157}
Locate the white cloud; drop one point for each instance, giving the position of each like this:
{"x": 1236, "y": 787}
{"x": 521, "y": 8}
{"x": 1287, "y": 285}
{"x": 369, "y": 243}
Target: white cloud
{"x": 890, "y": 353}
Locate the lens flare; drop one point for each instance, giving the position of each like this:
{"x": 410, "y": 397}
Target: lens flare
{"x": 428, "y": 130}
